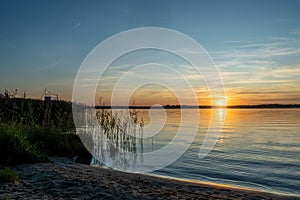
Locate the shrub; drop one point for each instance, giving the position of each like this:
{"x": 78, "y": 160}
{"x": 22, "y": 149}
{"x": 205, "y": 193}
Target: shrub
{"x": 20, "y": 144}
{"x": 15, "y": 147}
{"x": 54, "y": 143}
{"x": 7, "y": 175}
{"x": 32, "y": 130}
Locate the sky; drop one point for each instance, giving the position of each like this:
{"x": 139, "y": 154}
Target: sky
{"x": 254, "y": 44}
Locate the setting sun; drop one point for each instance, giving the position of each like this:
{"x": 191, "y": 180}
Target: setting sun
{"x": 220, "y": 102}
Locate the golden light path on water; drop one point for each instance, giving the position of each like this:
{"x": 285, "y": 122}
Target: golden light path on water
{"x": 257, "y": 149}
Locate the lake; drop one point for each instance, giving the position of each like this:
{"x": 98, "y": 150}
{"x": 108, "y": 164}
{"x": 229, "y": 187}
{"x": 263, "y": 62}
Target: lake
{"x": 257, "y": 148}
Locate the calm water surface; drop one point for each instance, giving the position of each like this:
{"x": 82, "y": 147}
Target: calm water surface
{"x": 258, "y": 148}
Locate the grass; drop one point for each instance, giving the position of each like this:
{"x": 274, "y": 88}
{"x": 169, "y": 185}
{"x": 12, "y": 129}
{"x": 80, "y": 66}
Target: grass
{"x": 21, "y": 144}
{"x": 33, "y": 130}
{"x": 15, "y": 148}
{"x": 30, "y": 112}
{"x": 119, "y": 137}
{"x": 7, "y": 175}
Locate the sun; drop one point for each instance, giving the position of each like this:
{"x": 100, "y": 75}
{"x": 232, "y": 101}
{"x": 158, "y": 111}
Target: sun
{"x": 220, "y": 102}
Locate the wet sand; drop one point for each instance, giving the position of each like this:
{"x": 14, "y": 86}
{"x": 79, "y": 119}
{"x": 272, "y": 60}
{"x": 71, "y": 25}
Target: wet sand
{"x": 63, "y": 179}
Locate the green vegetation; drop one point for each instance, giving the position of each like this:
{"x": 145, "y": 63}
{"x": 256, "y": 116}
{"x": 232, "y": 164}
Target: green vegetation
{"x": 29, "y": 112}
{"x": 119, "y": 137}
{"x": 7, "y": 175}
{"x": 15, "y": 147}
{"x": 32, "y": 130}
{"x": 21, "y": 144}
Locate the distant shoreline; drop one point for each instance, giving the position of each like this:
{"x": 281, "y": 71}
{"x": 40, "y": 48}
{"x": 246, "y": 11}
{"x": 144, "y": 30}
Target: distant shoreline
{"x": 257, "y": 106}
{"x": 260, "y": 106}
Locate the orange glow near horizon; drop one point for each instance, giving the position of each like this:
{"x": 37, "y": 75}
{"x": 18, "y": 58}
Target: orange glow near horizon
{"x": 148, "y": 96}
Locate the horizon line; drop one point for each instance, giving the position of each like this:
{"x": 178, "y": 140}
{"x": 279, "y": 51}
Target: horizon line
{"x": 202, "y": 106}
{"x": 176, "y": 106}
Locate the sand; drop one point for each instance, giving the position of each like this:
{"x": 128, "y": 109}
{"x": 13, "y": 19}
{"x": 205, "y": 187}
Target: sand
{"x": 63, "y": 179}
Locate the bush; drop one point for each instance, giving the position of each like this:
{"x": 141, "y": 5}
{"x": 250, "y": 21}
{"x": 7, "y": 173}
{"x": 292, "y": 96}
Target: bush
{"x": 20, "y": 144}
{"x": 32, "y": 130}
{"x": 54, "y": 143}
{"x": 7, "y": 175}
{"x": 15, "y": 147}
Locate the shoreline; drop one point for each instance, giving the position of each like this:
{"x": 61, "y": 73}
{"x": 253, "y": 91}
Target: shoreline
{"x": 225, "y": 186}
{"x": 62, "y": 178}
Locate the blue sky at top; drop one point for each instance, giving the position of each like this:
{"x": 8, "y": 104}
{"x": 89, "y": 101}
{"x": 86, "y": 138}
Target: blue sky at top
{"x": 254, "y": 43}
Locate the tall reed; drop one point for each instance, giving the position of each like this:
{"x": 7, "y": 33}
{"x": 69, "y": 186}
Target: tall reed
{"x": 117, "y": 137}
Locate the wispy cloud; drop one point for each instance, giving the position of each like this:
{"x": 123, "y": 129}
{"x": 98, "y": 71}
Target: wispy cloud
{"x": 296, "y": 32}
{"x": 250, "y": 71}
{"x": 77, "y": 25}
{"x": 271, "y": 48}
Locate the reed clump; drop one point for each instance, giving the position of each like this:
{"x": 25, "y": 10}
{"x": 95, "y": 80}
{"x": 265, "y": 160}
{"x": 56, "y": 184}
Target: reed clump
{"x": 118, "y": 136}
{"x": 33, "y": 130}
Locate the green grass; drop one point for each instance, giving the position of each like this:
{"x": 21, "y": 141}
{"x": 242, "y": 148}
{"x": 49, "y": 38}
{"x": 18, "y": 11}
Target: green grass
{"x": 7, "y": 175}
{"x": 55, "y": 143}
{"x": 21, "y": 144}
{"x": 32, "y": 112}
{"x": 33, "y": 130}
{"x": 15, "y": 148}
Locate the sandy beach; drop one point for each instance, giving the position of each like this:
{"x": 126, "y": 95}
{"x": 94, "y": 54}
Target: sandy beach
{"x": 63, "y": 179}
